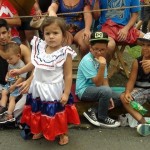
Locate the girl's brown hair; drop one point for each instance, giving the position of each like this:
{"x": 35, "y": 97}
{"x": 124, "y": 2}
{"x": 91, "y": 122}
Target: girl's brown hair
{"x": 57, "y": 20}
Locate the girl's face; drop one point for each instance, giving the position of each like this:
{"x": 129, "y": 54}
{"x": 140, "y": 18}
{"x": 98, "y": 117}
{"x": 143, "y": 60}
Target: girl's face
{"x": 146, "y": 50}
{"x": 53, "y": 36}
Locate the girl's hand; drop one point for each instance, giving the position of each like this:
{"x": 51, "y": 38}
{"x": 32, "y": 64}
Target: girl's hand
{"x": 14, "y": 72}
{"x": 64, "y": 99}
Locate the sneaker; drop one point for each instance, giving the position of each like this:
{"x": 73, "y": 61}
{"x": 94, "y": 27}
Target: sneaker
{"x": 91, "y": 117}
{"x": 5, "y": 118}
{"x": 143, "y": 129}
{"x": 109, "y": 123}
{"x": 2, "y": 110}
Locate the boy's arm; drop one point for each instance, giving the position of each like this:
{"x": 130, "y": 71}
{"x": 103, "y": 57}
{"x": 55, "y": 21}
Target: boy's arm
{"x": 132, "y": 78}
{"x": 99, "y": 78}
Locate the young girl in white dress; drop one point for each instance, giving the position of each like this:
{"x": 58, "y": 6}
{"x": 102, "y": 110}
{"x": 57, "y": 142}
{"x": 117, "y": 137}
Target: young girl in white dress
{"x": 49, "y": 105}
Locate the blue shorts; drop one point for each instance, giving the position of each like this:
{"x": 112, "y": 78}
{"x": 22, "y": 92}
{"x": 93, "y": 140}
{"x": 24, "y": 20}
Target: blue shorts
{"x": 15, "y": 93}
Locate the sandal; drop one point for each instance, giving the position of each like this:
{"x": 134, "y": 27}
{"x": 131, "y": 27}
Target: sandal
{"x": 37, "y": 136}
{"x": 63, "y": 139}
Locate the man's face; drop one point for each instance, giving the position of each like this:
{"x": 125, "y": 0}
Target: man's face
{"x": 4, "y": 36}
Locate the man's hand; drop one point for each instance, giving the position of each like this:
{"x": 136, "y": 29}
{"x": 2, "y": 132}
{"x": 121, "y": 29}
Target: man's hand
{"x": 122, "y": 34}
{"x": 24, "y": 86}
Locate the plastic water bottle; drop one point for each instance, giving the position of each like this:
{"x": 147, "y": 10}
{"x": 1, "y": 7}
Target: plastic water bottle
{"x": 135, "y": 105}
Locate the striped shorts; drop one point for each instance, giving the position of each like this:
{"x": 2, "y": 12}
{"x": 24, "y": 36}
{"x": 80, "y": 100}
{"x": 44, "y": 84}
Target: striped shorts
{"x": 141, "y": 95}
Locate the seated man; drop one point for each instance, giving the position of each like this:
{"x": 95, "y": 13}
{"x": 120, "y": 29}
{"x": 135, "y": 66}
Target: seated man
{"x": 5, "y": 38}
{"x": 92, "y": 83}
{"x": 118, "y": 23}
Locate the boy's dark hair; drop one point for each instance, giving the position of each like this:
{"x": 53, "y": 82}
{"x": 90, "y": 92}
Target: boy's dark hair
{"x": 94, "y": 42}
{"x": 12, "y": 47}
{"x": 57, "y": 20}
{"x": 3, "y": 23}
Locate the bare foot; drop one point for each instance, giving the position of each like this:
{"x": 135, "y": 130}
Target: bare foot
{"x": 37, "y": 136}
{"x": 63, "y": 139}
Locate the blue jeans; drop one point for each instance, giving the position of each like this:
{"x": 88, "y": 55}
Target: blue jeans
{"x": 102, "y": 95}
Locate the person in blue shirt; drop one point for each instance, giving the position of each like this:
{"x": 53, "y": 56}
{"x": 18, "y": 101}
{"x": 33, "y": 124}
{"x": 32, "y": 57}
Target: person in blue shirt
{"x": 92, "y": 83}
{"x": 118, "y": 23}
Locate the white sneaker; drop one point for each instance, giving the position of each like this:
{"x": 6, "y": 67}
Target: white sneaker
{"x": 109, "y": 123}
{"x": 143, "y": 129}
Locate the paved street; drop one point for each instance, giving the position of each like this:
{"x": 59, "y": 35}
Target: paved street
{"x": 122, "y": 138}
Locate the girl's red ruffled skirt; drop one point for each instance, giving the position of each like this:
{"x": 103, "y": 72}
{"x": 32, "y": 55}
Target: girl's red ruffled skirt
{"x": 49, "y": 118}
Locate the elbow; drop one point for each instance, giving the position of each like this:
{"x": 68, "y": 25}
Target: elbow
{"x": 19, "y": 22}
{"x": 96, "y": 16}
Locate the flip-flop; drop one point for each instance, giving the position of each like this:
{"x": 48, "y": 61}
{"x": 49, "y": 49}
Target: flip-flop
{"x": 63, "y": 140}
{"x": 37, "y": 136}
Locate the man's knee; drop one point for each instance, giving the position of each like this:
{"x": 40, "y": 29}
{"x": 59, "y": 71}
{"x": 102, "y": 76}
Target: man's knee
{"x": 111, "y": 44}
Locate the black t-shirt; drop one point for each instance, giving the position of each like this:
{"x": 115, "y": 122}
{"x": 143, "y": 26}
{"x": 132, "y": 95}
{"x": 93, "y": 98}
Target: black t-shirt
{"x": 44, "y": 4}
{"x": 3, "y": 70}
{"x": 143, "y": 80}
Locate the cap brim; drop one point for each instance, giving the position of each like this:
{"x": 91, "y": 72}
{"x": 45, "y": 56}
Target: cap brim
{"x": 101, "y": 39}
{"x": 142, "y": 39}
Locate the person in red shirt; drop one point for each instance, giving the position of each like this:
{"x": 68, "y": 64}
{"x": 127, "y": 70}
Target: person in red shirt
{"x": 9, "y": 13}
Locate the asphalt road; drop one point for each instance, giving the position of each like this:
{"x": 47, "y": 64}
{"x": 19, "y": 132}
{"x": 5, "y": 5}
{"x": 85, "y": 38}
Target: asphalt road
{"x": 122, "y": 138}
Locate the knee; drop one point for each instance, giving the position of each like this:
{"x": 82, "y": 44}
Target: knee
{"x": 111, "y": 45}
{"x": 106, "y": 91}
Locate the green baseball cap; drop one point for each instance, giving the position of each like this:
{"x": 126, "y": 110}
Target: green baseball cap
{"x": 99, "y": 36}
